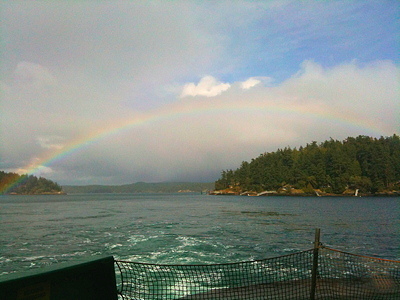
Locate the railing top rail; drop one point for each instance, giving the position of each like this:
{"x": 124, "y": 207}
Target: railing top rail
{"x": 359, "y": 255}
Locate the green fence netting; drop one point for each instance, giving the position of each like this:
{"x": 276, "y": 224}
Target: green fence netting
{"x": 338, "y": 275}
{"x": 343, "y": 275}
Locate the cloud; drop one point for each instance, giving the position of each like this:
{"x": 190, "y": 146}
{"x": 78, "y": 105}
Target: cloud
{"x": 249, "y": 83}
{"x": 208, "y": 86}
{"x": 253, "y": 81}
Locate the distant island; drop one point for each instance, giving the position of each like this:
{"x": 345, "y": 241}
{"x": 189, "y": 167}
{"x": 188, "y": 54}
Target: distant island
{"x": 143, "y": 187}
{"x": 15, "y": 184}
{"x": 360, "y": 166}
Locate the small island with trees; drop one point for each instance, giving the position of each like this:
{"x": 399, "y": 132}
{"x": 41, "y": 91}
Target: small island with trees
{"x": 15, "y": 184}
{"x": 360, "y": 166}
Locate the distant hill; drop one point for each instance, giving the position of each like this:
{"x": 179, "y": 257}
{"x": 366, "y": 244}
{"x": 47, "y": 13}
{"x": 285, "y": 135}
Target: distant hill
{"x": 357, "y": 165}
{"x": 142, "y": 187}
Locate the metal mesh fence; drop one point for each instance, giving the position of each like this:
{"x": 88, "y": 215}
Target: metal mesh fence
{"x": 343, "y": 275}
{"x": 339, "y": 275}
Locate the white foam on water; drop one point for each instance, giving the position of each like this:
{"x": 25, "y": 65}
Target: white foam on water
{"x": 140, "y": 238}
{"x": 78, "y": 253}
{"x": 115, "y": 246}
{"x": 33, "y": 258}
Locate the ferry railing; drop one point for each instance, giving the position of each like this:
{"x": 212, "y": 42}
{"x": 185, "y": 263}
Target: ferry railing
{"x": 318, "y": 273}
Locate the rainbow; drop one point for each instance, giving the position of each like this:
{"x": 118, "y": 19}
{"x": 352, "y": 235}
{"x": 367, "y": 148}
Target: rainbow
{"x": 196, "y": 109}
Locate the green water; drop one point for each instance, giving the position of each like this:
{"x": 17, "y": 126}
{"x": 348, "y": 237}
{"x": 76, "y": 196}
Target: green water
{"x": 36, "y": 231}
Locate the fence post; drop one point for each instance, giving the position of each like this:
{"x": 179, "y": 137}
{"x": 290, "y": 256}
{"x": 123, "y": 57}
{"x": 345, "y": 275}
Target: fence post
{"x": 314, "y": 270}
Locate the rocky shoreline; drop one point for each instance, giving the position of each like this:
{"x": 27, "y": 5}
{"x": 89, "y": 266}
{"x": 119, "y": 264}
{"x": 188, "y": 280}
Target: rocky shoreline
{"x": 301, "y": 193}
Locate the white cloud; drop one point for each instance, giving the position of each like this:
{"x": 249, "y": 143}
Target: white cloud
{"x": 253, "y": 81}
{"x": 208, "y": 86}
{"x": 249, "y": 83}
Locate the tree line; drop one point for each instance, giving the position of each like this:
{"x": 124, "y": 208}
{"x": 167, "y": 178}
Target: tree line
{"x": 143, "y": 187}
{"x": 13, "y": 183}
{"x": 369, "y": 164}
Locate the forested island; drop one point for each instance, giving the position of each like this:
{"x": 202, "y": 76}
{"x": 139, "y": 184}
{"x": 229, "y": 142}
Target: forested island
{"x": 13, "y": 183}
{"x": 357, "y": 166}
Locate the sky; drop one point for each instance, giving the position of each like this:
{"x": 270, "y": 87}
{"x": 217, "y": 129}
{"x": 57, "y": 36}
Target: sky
{"x": 116, "y": 92}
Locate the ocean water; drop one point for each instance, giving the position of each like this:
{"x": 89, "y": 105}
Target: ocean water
{"x": 37, "y": 231}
